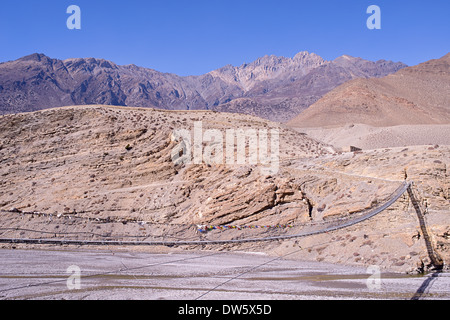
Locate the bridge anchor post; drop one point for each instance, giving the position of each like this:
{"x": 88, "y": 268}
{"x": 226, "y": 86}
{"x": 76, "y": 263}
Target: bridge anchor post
{"x": 436, "y": 260}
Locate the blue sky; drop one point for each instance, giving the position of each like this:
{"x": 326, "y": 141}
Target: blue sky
{"x": 194, "y": 37}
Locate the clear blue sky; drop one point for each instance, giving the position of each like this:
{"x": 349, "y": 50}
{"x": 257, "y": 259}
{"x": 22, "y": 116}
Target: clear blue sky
{"x": 190, "y": 37}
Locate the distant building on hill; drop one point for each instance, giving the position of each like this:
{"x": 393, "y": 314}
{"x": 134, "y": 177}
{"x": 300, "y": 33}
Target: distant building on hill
{"x": 351, "y": 149}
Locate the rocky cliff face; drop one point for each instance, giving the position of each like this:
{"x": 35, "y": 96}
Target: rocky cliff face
{"x": 280, "y": 87}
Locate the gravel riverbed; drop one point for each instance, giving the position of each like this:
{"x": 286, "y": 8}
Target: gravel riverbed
{"x": 102, "y": 275}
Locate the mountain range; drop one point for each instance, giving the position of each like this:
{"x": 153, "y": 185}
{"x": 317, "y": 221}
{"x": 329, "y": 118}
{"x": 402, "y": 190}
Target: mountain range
{"x": 271, "y": 87}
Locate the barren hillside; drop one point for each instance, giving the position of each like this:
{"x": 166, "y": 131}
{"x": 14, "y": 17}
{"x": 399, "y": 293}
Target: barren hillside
{"x": 95, "y": 172}
{"x": 414, "y": 95}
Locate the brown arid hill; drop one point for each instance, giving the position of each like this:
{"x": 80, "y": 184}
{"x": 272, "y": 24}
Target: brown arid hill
{"x": 279, "y": 87}
{"x": 98, "y": 172}
{"x": 412, "y": 96}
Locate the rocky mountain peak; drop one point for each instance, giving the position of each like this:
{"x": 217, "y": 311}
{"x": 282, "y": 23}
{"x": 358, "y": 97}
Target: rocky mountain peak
{"x": 38, "y": 57}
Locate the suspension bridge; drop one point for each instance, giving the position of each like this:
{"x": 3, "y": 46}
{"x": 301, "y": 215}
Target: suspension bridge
{"x": 311, "y": 229}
